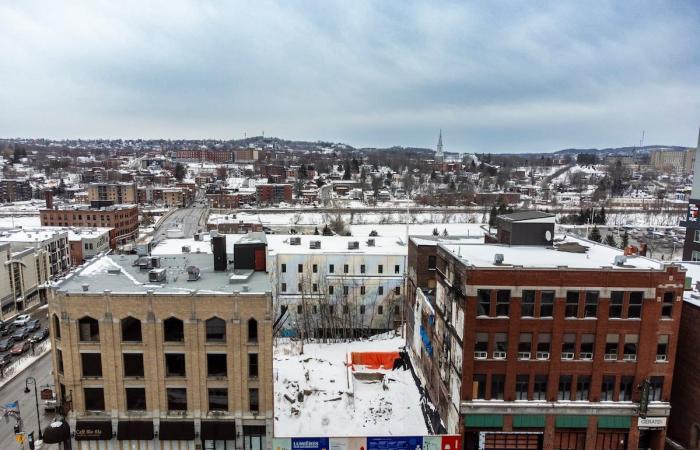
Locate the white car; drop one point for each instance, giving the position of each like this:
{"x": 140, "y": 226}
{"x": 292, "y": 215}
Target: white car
{"x": 22, "y": 320}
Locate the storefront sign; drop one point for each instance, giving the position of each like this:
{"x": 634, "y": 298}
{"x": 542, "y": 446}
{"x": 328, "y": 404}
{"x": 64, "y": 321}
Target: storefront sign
{"x": 310, "y": 443}
{"x": 93, "y": 430}
{"x": 395, "y": 443}
{"x": 651, "y": 422}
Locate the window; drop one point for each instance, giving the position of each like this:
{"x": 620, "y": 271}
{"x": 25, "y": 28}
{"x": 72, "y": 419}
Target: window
{"x": 216, "y": 329}
{"x": 362, "y": 309}
{"x": 362, "y": 268}
{"x": 314, "y": 268}
{"x": 397, "y": 290}
{"x": 218, "y": 399}
{"x": 300, "y": 268}
{"x": 284, "y": 268}
{"x": 173, "y": 330}
{"x": 616, "y": 302}
{"x": 587, "y": 346}
{"x": 380, "y": 290}
{"x": 346, "y": 268}
{"x": 667, "y": 305}
{"x": 362, "y": 290}
{"x": 253, "y": 400}
{"x": 583, "y": 386}
{"x": 546, "y": 303}
{"x": 91, "y": 364}
{"x": 432, "y": 262}
{"x": 131, "y": 329}
{"x": 497, "y": 386}
{"x": 662, "y": 348}
{"x": 696, "y": 236}
{"x": 346, "y": 309}
{"x": 479, "y": 386}
{"x": 539, "y": 389}
{"x": 299, "y": 309}
{"x": 527, "y": 308}
{"x": 56, "y": 327}
{"x": 252, "y": 330}
{"x": 634, "y": 308}
{"x": 590, "y": 308}
{"x": 571, "y": 310}
{"x": 346, "y": 290}
{"x": 522, "y": 383}
{"x": 331, "y": 268}
{"x": 695, "y": 256}
{"x": 380, "y": 310}
{"x": 284, "y": 287}
{"x": 656, "y": 386}
{"x": 611, "y": 344}
{"x": 135, "y": 398}
{"x": 380, "y": 268}
{"x": 607, "y": 388}
{"x": 502, "y": 303}
{"x": 330, "y": 290}
{"x": 216, "y": 364}
{"x": 299, "y": 287}
{"x": 630, "y": 348}
{"x": 133, "y": 364}
{"x": 568, "y": 346}
{"x": 525, "y": 346}
{"x": 543, "y": 345}
{"x": 252, "y": 365}
{"x": 626, "y": 385}
{"x": 174, "y": 364}
{"x": 397, "y": 268}
{"x": 500, "y": 345}
{"x": 481, "y": 345}
{"x": 564, "y": 387}
{"x": 484, "y": 299}
{"x": 88, "y": 329}
{"x": 177, "y": 399}
{"x": 59, "y": 358}
{"x": 94, "y": 399}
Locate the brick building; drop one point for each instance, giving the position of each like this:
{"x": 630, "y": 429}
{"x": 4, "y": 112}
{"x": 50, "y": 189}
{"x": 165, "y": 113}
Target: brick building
{"x": 15, "y": 190}
{"x": 136, "y": 364}
{"x": 274, "y": 173}
{"x": 122, "y": 219}
{"x": 271, "y": 194}
{"x": 521, "y": 346}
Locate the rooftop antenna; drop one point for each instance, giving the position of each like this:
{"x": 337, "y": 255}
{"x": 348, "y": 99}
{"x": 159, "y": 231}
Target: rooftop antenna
{"x": 641, "y": 141}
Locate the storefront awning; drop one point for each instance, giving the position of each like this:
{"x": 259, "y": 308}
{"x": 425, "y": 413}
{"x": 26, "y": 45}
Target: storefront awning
{"x": 57, "y": 432}
{"x": 181, "y": 430}
{"x": 218, "y": 430}
{"x": 93, "y": 430}
{"x": 138, "y": 430}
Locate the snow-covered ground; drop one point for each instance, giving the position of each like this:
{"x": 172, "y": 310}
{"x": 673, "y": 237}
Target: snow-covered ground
{"x": 334, "y": 402}
{"x": 19, "y": 221}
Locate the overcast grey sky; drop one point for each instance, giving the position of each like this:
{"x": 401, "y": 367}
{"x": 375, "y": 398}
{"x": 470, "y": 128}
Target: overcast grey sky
{"x": 496, "y": 77}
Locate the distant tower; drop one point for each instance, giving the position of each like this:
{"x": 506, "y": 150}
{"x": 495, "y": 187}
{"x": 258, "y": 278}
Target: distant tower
{"x": 439, "y": 155}
{"x": 691, "y": 247}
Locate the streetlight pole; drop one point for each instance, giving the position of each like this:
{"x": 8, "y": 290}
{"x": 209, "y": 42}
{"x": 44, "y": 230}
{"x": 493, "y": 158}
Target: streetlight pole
{"x": 27, "y": 382}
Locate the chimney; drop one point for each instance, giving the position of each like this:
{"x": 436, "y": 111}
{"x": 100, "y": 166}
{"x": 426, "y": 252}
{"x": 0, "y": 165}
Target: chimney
{"x": 48, "y": 196}
{"x": 218, "y": 245}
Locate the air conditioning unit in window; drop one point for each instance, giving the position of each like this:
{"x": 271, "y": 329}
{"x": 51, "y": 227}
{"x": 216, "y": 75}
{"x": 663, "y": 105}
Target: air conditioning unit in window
{"x": 480, "y": 355}
{"x": 499, "y": 355}
{"x": 661, "y": 358}
{"x": 542, "y": 355}
{"x": 523, "y": 355}
{"x": 586, "y": 356}
{"x": 610, "y": 357}
{"x": 296, "y": 240}
{"x": 567, "y": 356}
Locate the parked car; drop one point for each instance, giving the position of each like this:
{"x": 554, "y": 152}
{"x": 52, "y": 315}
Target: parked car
{"x": 33, "y": 325}
{"x": 22, "y": 320}
{"x": 5, "y": 360}
{"x": 5, "y": 328}
{"x": 20, "y": 334}
{"x": 40, "y": 335}
{"x": 6, "y": 344}
{"x": 20, "y": 348}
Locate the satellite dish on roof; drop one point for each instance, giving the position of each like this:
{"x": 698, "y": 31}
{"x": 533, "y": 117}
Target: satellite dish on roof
{"x": 548, "y": 235}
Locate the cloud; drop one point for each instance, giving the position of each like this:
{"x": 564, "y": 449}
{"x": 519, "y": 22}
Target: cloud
{"x": 501, "y": 76}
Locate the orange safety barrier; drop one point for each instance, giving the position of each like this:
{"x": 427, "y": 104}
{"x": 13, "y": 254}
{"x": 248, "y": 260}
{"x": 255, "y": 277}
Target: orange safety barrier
{"x": 375, "y": 360}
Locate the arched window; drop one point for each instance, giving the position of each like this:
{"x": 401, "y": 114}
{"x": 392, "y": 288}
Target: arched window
{"x": 173, "y": 330}
{"x": 252, "y": 330}
{"x": 56, "y": 326}
{"x": 131, "y": 329}
{"x": 88, "y": 329}
{"x": 216, "y": 330}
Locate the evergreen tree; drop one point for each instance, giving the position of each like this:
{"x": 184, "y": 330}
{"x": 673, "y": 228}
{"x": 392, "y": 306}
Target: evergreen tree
{"x": 502, "y": 208}
{"x": 347, "y": 174}
{"x": 625, "y": 240}
{"x": 316, "y": 231}
{"x": 355, "y": 165}
{"x": 594, "y": 235}
{"x": 444, "y": 232}
{"x": 180, "y": 171}
{"x": 601, "y": 217}
{"x": 327, "y": 231}
{"x": 610, "y": 240}
{"x": 436, "y": 232}
{"x": 492, "y": 216}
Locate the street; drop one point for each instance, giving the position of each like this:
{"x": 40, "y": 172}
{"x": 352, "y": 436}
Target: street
{"x": 14, "y": 390}
{"x": 188, "y": 219}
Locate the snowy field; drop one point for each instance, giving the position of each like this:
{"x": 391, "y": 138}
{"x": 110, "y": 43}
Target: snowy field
{"x": 334, "y": 403}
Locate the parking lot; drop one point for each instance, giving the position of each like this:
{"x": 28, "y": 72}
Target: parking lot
{"x": 39, "y": 314}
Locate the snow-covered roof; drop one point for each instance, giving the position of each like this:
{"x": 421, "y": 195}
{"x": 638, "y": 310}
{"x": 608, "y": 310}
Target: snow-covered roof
{"x": 282, "y": 244}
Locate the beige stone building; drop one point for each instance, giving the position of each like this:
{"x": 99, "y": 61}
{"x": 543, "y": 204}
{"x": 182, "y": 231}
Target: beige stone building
{"x": 23, "y": 275}
{"x": 165, "y": 353}
{"x": 118, "y": 193}
{"x": 677, "y": 161}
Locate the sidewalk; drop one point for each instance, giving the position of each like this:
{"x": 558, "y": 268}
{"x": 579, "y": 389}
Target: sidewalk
{"x": 16, "y": 368}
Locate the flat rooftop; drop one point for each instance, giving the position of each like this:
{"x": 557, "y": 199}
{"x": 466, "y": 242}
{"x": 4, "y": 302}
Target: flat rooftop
{"x": 282, "y": 244}
{"x": 118, "y": 274}
{"x": 595, "y": 256}
{"x": 45, "y": 233}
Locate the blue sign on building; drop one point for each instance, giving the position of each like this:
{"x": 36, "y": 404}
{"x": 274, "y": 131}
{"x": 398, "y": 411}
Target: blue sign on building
{"x": 395, "y": 443}
{"x": 309, "y": 443}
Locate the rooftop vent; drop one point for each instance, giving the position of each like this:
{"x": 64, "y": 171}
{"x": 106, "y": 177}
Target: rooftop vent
{"x": 353, "y": 245}
{"x": 296, "y": 240}
{"x": 155, "y": 262}
{"x": 244, "y": 288}
{"x": 114, "y": 270}
{"x": 156, "y": 276}
{"x": 193, "y": 273}
{"x": 498, "y": 259}
{"x": 144, "y": 263}
{"x": 85, "y": 287}
{"x": 315, "y": 245}
{"x": 370, "y": 242}
{"x": 620, "y": 260}
{"x": 197, "y": 237}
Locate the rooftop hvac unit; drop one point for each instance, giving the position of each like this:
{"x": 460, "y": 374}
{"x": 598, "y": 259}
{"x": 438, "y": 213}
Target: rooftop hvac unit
{"x": 498, "y": 259}
{"x": 156, "y": 276}
{"x": 620, "y": 260}
{"x": 144, "y": 263}
{"x": 192, "y": 273}
{"x": 197, "y": 237}
{"x": 370, "y": 242}
{"x": 185, "y": 249}
{"x": 296, "y": 240}
{"x": 155, "y": 262}
{"x": 353, "y": 245}
{"x": 315, "y": 245}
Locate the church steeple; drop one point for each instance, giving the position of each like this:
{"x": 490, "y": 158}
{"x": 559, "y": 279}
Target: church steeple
{"x": 439, "y": 156}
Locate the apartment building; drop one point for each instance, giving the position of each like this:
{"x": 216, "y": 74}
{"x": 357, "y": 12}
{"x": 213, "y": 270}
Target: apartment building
{"x": 565, "y": 346}
{"x": 23, "y": 275}
{"x": 117, "y": 193}
{"x": 272, "y": 194}
{"x": 123, "y": 220}
{"x": 53, "y": 241}
{"x": 15, "y": 190}
{"x": 337, "y": 285}
{"x": 246, "y": 155}
{"x": 678, "y": 161}
{"x": 169, "y": 352}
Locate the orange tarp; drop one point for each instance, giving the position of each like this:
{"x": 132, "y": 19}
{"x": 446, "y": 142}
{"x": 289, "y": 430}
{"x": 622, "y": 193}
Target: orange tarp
{"x": 375, "y": 360}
